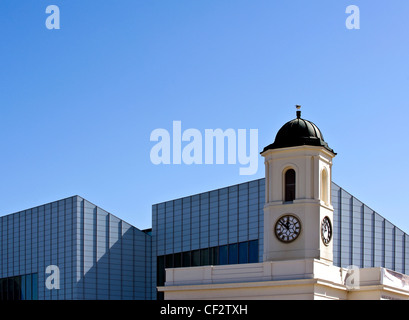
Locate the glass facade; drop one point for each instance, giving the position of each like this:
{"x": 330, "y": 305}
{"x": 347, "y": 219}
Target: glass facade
{"x": 223, "y": 226}
{"x": 364, "y": 238}
{"x": 235, "y": 253}
{"x": 215, "y": 218}
{"x": 33, "y": 239}
{"x": 232, "y": 218}
{"x": 24, "y": 287}
{"x": 113, "y": 259}
{"x": 228, "y": 219}
{"x": 98, "y": 255}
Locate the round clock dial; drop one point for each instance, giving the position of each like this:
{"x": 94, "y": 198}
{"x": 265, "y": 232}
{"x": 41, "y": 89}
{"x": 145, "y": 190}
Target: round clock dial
{"x": 326, "y": 230}
{"x": 287, "y": 228}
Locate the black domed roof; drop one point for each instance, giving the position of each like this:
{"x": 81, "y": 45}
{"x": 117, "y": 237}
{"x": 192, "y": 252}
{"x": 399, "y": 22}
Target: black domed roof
{"x": 298, "y": 132}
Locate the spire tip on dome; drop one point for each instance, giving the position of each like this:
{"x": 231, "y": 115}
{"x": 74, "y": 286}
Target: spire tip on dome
{"x": 298, "y": 111}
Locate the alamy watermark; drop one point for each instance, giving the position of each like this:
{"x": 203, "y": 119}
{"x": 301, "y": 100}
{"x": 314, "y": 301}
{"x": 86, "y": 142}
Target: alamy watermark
{"x": 53, "y": 279}
{"x": 352, "y": 278}
{"x": 191, "y": 147}
{"x": 353, "y": 20}
{"x": 53, "y": 20}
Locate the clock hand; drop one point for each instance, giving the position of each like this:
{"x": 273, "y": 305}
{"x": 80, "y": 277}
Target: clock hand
{"x": 282, "y": 223}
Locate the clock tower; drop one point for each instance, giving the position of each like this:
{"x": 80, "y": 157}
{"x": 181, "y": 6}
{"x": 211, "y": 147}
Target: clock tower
{"x": 298, "y": 214}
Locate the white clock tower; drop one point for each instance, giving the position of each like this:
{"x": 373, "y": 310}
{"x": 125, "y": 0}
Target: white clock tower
{"x": 298, "y": 240}
{"x": 298, "y": 214}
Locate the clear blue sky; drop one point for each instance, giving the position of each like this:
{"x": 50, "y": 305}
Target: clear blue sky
{"x": 78, "y": 104}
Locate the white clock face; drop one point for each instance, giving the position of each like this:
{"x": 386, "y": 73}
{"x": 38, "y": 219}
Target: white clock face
{"x": 326, "y": 231}
{"x": 287, "y": 228}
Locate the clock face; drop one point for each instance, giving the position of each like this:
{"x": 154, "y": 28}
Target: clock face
{"x": 326, "y": 230}
{"x": 287, "y": 228}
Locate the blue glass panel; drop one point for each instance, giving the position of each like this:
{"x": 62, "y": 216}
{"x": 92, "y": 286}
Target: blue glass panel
{"x": 223, "y": 255}
{"x": 233, "y": 254}
{"x": 195, "y": 258}
{"x": 160, "y": 277}
{"x": 3, "y": 292}
{"x": 243, "y": 252}
{"x": 177, "y": 260}
{"x": 186, "y": 259}
{"x": 10, "y": 289}
{"x": 204, "y": 257}
{"x": 23, "y": 287}
{"x": 253, "y": 251}
{"x": 17, "y": 285}
{"x": 214, "y": 256}
{"x": 169, "y": 261}
{"x": 35, "y": 286}
{"x": 28, "y": 287}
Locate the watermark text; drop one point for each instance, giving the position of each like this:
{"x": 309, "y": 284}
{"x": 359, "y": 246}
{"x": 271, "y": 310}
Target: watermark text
{"x": 191, "y": 147}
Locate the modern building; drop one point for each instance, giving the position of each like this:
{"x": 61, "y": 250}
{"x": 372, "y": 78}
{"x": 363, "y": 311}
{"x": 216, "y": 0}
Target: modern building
{"x": 93, "y": 254}
{"x": 72, "y": 249}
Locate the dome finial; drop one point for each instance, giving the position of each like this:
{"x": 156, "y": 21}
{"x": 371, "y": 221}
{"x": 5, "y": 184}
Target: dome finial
{"x": 298, "y": 111}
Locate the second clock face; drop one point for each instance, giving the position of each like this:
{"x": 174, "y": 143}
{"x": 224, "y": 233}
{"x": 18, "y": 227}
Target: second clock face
{"x": 326, "y": 230}
{"x": 287, "y": 228}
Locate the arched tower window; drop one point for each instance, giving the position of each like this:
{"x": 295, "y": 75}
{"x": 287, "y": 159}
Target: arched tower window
{"x": 324, "y": 186}
{"x": 289, "y": 185}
